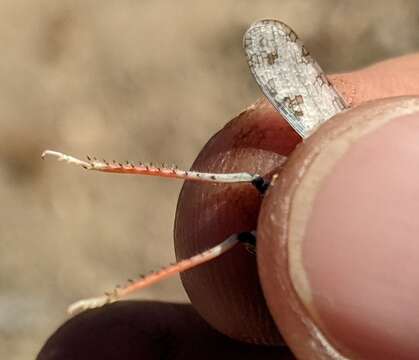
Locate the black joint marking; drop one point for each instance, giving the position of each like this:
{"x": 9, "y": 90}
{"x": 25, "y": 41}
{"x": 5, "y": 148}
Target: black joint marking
{"x": 247, "y": 238}
{"x": 212, "y": 177}
{"x": 261, "y": 184}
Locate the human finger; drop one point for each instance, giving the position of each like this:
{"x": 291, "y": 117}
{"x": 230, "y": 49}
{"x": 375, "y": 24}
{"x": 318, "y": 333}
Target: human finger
{"x": 337, "y": 237}
{"x": 147, "y": 330}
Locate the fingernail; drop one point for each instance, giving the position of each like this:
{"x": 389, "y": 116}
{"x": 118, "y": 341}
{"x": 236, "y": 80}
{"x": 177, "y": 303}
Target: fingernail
{"x": 356, "y": 269}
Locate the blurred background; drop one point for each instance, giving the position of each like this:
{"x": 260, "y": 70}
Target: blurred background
{"x": 144, "y": 80}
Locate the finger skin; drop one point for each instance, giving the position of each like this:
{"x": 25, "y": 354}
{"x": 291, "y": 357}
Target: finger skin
{"x": 226, "y": 292}
{"x": 277, "y": 228}
{"x": 147, "y": 330}
{"x": 389, "y": 78}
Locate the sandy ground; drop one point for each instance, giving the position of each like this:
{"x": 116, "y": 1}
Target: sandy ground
{"x": 149, "y": 80}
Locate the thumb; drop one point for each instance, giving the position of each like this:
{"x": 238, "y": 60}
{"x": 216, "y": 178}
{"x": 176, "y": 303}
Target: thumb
{"x": 337, "y": 237}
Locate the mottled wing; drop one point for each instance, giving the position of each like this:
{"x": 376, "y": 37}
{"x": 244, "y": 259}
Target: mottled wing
{"x": 289, "y": 77}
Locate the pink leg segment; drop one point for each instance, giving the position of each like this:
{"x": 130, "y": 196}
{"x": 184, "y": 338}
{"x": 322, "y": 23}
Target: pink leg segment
{"x": 151, "y": 170}
{"x": 154, "y": 277}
